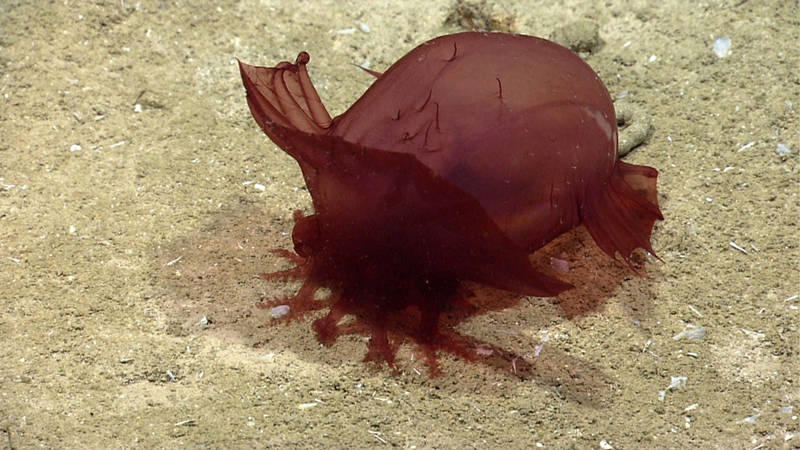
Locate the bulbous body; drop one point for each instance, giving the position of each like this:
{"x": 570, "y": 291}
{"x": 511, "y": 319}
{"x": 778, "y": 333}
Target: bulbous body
{"x": 466, "y": 155}
{"x": 521, "y": 124}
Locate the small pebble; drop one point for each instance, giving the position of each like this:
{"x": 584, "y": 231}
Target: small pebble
{"x": 638, "y": 126}
{"x": 579, "y": 36}
{"x": 722, "y": 47}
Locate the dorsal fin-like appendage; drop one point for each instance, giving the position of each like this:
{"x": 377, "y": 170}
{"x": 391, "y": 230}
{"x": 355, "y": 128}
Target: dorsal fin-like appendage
{"x": 284, "y": 95}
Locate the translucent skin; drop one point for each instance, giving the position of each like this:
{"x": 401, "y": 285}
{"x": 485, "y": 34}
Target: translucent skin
{"x": 521, "y": 124}
{"x": 470, "y": 152}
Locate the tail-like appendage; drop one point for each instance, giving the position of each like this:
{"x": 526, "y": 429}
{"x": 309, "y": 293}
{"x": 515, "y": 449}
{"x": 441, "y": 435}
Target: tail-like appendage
{"x": 620, "y": 216}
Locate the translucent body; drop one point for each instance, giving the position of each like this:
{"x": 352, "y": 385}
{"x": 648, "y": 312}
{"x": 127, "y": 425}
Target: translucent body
{"x": 470, "y": 152}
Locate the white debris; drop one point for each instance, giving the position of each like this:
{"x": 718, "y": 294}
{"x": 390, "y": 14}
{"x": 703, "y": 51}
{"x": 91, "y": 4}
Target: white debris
{"x": 175, "y": 260}
{"x": 677, "y": 382}
{"x": 783, "y": 150}
{"x": 605, "y": 445}
{"x": 376, "y": 435}
{"x": 753, "y": 334}
{"x": 279, "y": 311}
{"x": 722, "y": 46}
{"x": 484, "y": 349}
{"x": 746, "y": 146}
{"x": 737, "y": 247}
{"x": 691, "y": 332}
{"x": 259, "y": 187}
{"x": 363, "y": 27}
{"x": 75, "y": 148}
{"x": 749, "y": 419}
{"x": 559, "y": 265}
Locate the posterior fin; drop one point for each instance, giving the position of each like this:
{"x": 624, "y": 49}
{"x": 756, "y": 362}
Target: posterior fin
{"x": 284, "y": 95}
{"x": 620, "y": 216}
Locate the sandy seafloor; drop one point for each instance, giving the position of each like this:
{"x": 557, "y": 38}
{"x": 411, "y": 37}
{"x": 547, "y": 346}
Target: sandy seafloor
{"x": 103, "y": 341}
